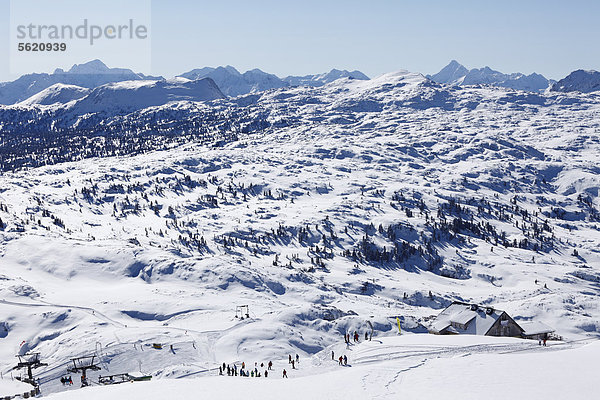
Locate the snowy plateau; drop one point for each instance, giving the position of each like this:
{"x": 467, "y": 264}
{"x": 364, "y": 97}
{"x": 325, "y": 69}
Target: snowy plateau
{"x": 325, "y": 210}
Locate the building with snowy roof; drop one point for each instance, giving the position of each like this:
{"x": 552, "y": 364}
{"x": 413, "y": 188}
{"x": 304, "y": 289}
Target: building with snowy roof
{"x": 536, "y": 330}
{"x": 472, "y": 319}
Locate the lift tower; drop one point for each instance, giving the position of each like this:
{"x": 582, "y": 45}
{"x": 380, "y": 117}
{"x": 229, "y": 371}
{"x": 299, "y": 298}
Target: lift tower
{"x": 30, "y": 361}
{"x": 83, "y": 364}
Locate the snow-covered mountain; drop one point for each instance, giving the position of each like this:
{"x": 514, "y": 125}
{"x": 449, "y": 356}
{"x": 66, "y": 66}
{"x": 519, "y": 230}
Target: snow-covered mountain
{"x": 452, "y": 73}
{"x": 456, "y": 74}
{"x": 321, "y": 79}
{"x": 88, "y": 75}
{"x": 233, "y": 83}
{"x": 128, "y": 96}
{"x": 579, "y": 81}
{"x": 323, "y": 210}
{"x": 57, "y": 93}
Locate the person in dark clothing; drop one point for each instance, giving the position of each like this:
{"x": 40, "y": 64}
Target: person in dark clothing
{"x": 270, "y": 365}
{"x": 355, "y": 336}
{"x": 223, "y": 366}
{"x": 289, "y": 358}
{"x": 293, "y": 364}
{"x": 341, "y": 360}
{"x": 297, "y": 359}
{"x": 285, "y": 373}
{"x": 220, "y": 370}
{"x": 345, "y": 360}
{"x": 366, "y": 336}
{"x": 332, "y": 355}
{"x": 266, "y": 373}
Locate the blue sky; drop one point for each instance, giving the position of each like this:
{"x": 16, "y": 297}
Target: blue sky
{"x": 297, "y": 38}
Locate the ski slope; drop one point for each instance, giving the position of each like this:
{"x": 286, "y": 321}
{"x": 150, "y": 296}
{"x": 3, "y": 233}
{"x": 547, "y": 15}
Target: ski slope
{"x": 412, "y": 366}
{"x": 360, "y": 202}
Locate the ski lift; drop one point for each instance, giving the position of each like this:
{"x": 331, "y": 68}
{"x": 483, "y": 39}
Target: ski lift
{"x": 242, "y": 312}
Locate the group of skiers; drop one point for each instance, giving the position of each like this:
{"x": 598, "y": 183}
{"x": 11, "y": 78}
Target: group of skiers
{"x": 356, "y": 337}
{"x": 256, "y": 373}
{"x": 66, "y": 380}
{"x": 293, "y": 361}
{"x": 342, "y": 360}
{"x": 243, "y": 371}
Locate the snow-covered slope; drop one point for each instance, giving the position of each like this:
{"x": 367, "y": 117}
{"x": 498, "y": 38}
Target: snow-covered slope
{"x": 456, "y": 74}
{"x": 408, "y": 367}
{"x": 128, "y": 96}
{"x": 233, "y": 83}
{"x": 88, "y": 75}
{"x": 57, "y": 93}
{"x": 322, "y": 79}
{"x": 334, "y": 209}
{"x": 579, "y": 81}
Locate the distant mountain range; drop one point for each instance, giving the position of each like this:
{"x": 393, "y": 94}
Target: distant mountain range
{"x": 89, "y": 75}
{"x": 85, "y": 80}
{"x": 64, "y": 86}
{"x": 233, "y": 83}
{"x": 322, "y": 79}
{"x": 457, "y": 74}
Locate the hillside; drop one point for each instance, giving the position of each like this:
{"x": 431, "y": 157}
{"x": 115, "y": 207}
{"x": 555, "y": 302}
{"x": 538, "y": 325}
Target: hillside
{"x": 325, "y": 207}
{"x": 579, "y": 81}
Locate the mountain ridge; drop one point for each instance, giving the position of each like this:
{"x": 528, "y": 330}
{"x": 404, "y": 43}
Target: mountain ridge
{"x": 456, "y": 74}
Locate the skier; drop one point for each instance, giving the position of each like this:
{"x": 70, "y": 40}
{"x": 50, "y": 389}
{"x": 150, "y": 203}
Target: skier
{"x": 345, "y": 360}
{"x": 355, "y": 336}
{"x": 289, "y": 358}
{"x": 220, "y": 370}
{"x": 266, "y": 373}
{"x": 332, "y": 355}
{"x": 270, "y": 365}
{"x": 223, "y": 366}
{"x": 284, "y": 373}
{"x": 341, "y": 360}
{"x": 243, "y": 365}
{"x": 297, "y": 359}
{"x": 366, "y": 336}
{"x": 293, "y": 364}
